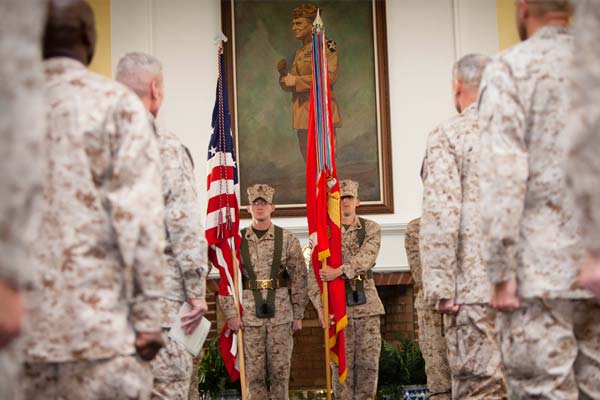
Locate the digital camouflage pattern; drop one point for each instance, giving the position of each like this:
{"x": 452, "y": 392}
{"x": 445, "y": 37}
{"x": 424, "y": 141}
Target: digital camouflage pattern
{"x": 187, "y": 264}
{"x": 529, "y": 223}
{"x": 22, "y": 123}
{"x": 268, "y": 342}
{"x": 431, "y": 339}
{"x": 432, "y": 343}
{"x": 584, "y": 121}
{"x": 529, "y": 218}
{"x": 550, "y": 349}
{"x": 268, "y": 352}
{"x": 186, "y": 251}
{"x": 473, "y": 354}
{"x": 289, "y": 302}
{"x": 101, "y": 237}
{"x": 363, "y": 331}
{"x": 363, "y": 346}
{"x": 115, "y": 378}
{"x": 450, "y": 237}
{"x": 172, "y": 370}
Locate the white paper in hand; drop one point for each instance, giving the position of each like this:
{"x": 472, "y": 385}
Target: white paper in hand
{"x": 193, "y": 342}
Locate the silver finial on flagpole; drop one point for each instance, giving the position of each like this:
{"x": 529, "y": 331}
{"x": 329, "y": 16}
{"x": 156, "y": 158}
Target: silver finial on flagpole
{"x": 318, "y": 22}
{"x": 220, "y": 38}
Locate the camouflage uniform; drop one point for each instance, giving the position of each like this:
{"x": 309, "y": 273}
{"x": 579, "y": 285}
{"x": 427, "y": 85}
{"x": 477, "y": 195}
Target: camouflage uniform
{"x": 450, "y": 252}
{"x": 186, "y": 263}
{"x": 100, "y": 241}
{"x": 21, "y": 131}
{"x": 363, "y": 333}
{"x": 268, "y": 342}
{"x": 549, "y": 345}
{"x": 584, "y": 165}
{"x": 431, "y": 339}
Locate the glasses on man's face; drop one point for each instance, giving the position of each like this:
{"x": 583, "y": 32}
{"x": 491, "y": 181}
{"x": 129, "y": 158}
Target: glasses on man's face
{"x": 259, "y": 202}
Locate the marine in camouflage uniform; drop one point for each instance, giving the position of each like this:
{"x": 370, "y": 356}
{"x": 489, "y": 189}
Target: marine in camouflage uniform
{"x": 186, "y": 245}
{"x": 268, "y": 341}
{"x": 22, "y": 118}
{"x": 101, "y": 236}
{"x": 584, "y": 123}
{"x": 533, "y": 248}
{"x": 361, "y": 239}
{"x": 454, "y": 274}
{"x": 431, "y": 339}
{"x": 298, "y": 78}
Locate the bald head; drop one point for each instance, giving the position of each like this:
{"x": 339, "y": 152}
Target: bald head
{"x": 70, "y": 30}
{"x": 541, "y": 7}
{"x": 535, "y": 14}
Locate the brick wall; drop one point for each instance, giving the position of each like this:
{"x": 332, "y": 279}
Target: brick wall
{"x": 308, "y": 358}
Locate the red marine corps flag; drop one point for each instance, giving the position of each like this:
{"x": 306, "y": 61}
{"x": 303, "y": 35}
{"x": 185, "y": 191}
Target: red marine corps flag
{"x": 223, "y": 220}
{"x": 323, "y": 201}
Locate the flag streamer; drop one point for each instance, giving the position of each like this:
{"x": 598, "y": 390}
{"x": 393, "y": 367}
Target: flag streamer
{"x": 323, "y": 198}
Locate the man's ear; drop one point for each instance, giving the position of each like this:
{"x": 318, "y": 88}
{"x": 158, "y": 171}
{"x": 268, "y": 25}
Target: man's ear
{"x": 457, "y": 86}
{"x": 357, "y": 202}
{"x": 248, "y": 208}
{"x": 523, "y": 9}
{"x": 154, "y": 89}
{"x": 273, "y": 207}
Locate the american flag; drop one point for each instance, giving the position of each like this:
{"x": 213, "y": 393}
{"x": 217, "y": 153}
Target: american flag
{"x": 223, "y": 214}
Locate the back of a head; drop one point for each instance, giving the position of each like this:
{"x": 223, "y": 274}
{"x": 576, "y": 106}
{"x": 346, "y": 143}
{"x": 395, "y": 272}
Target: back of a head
{"x": 469, "y": 69}
{"x": 543, "y": 7}
{"x": 70, "y": 30}
{"x": 136, "y": 71}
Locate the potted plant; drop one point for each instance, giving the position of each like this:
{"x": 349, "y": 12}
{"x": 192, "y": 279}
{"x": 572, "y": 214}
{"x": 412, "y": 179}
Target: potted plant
{"x": 213, "y": 380}
{"x": 402, "y": 371}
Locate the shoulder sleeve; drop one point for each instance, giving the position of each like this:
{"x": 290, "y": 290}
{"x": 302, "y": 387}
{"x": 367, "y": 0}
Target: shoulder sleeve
{"x": 440, "y": 220}
{"x": 503, "y": 169}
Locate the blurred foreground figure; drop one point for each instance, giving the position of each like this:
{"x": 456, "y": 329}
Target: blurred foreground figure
{"x": 186, "y": 245}
{"x": 21, "y": 131}
{"x": 548, "y": 330}
{"x": 431, "y": 336}
{"x": 101, "y": 237}
{"x": 584, "y": 123}
{"x": 450, "y": 242}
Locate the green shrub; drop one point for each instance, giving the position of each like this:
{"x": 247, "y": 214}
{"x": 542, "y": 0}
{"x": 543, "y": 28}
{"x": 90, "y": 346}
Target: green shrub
{"x": 400, "y": 364}
{"x": 212, "y": 375}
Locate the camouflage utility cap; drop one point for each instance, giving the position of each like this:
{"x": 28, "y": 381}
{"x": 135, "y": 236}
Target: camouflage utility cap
{"x": 348, "y": 187}
{"x": 262, "y": 191}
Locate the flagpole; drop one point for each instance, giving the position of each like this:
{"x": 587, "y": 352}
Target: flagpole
{"x": 326, "y": 333}
{"x": 240, "y": 342}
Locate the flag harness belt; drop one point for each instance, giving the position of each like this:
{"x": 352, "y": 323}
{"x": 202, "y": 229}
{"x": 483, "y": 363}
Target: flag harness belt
{"x": 356, "y": 296}
{"x": 265, "y": 308}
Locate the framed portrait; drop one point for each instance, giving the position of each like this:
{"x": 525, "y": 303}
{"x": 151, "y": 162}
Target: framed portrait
{"x": 268, "y": 60}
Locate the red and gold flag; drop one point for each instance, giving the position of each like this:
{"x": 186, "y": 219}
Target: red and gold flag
{"x": 323, "y": 196}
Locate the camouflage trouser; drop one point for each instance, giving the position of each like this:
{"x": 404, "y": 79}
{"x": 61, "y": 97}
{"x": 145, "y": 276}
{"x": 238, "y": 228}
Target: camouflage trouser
{"x": 473, "y": 354}
{"x": 551, "y": 349}
{"x": 268, "y": 349}
{"x": 434, "y": 349}
{"x": 10, "y": 368}
{"x": 363, "y": 345}
{"x": 172, "y": 370}
{"x": 194, "y": 393}
{"x": 117, "y": 378}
